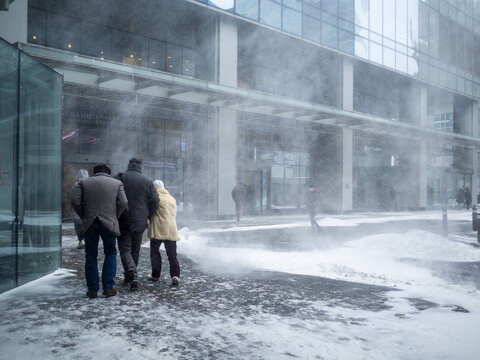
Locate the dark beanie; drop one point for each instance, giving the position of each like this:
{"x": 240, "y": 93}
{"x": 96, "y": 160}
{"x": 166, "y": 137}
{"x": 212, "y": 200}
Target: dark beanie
{"x": 134, "y": 161}
{"x": 102, "y": 168}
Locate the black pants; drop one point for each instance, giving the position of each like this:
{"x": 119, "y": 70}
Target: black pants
{"x": 129, "y": 244}
{"x": 156, "y": 258}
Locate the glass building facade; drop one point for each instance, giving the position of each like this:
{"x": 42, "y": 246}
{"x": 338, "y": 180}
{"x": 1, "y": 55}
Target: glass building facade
{"x": 147, "y": 81}
{"x": 437, "y": 41}
{"x": 30, "y": 168}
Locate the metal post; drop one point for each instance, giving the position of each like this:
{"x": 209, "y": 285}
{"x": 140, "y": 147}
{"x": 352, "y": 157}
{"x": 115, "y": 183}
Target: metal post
{"x": 474, "y": 218}
{"x": 445, "y": 221}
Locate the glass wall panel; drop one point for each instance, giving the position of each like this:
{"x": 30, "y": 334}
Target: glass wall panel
{"x": 292, "y": 21}
{"x": 389, "y": 19}
{"x": 39, "y": 178}
{"x": 247, "y": 8}
{"x": 8, "y": 116}
{"x": 271, "y": 13}
{"x": 376, "y": 16}
{"x": 361, "y": 13}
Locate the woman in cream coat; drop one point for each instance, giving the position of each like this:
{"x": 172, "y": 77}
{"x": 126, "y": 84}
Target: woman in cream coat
{"x": 163, "y": 229}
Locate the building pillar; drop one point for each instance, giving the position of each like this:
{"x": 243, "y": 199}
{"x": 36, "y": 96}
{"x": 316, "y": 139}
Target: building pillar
{"x": 347, "y": 138}
{"x": 227, "y": 118}
{"x": 14, "y": 22}
{"x": 423, "y": 150}
{"x": 475, "y": 121}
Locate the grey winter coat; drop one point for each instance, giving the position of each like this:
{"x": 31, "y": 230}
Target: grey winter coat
{"x": 99, "y": 196}
{"x": 142, "y": 199}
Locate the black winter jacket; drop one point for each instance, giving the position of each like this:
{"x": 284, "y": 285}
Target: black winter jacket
{"x": 142, "y": 199}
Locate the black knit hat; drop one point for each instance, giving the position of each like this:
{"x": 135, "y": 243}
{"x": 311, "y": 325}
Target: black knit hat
{"x": 102, "y": 168}
{"x": 134, "y": 161}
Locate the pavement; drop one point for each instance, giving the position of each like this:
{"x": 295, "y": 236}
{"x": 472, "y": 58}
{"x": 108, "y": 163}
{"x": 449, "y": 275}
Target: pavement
{"x": 228, "y": 313}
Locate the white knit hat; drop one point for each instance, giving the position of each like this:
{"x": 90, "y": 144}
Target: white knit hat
{"x": 158, "y": 184}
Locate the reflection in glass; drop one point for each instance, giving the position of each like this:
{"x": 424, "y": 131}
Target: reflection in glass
{"x": 375, "y": 52}
{"x": 361, "y": 47}
{"x": 311, "y": 28}
{"x": 401, "y": 25}
{"x": 247, "y": 8}
{"x": 40, "y": 178}
{"x": 270, "y": 13}
{"x": 376, "y": 16}
{"x": 389, "y": 19}
{"x": 222, "y": 4}
{"x": 8, "y": 114}
{"x": 292, "y": 21}
{"x": 361, "y": 13}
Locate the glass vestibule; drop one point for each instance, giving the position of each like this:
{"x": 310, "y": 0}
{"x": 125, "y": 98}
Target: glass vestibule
{"x": 30, "y": 168}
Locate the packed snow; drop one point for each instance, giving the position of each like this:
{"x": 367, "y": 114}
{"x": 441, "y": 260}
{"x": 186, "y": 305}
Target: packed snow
{"x": 427, "y": 315}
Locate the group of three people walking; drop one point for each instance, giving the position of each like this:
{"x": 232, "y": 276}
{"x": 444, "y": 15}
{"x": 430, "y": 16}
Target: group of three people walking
{"x": 123, "y": 207}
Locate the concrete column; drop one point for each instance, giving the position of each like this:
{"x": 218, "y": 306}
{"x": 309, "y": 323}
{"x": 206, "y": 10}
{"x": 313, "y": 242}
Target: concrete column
{"x": 347, "y": 138}
{"x": 475, "y": 121}
{"x": 227, "y": 118}
{"x": 347, "y": 85}
{"x": 347, "y": 174}
{"x": 13, "y": 23}
{"x": 422, "y": 156}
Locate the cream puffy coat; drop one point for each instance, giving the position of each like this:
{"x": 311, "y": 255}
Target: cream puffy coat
{"x": 163, "y": 225}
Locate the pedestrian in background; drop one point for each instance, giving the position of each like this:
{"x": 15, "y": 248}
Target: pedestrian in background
{"x": 142, "y": 204}
{"x": 99, "y": 201}
{"x": 460, "y": 198}
{"x": 77, "y": 222}
{"x": 239, "y": 195}
{"x": 312, "y": 194}
{"x": 163, "y": 229}
{"x": 468, "y": 198}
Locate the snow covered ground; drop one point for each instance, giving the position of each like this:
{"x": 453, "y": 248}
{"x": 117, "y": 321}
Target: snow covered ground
{"x": 407, "y": 295}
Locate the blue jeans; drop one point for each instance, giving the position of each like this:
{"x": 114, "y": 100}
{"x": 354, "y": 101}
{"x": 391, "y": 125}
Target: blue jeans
{"x": 109, "y": 269}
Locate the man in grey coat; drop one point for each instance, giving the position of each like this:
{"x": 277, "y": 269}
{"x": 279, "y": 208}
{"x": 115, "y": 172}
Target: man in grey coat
{"x": 99, "y": 201}
{"x": 142, "y": 204}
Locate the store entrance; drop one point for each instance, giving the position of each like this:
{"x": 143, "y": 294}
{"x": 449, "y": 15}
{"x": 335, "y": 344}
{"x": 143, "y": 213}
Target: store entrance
{"x": 256, "y": 183}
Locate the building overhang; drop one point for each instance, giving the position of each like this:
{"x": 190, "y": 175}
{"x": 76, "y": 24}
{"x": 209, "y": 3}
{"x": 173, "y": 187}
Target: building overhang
{"x": 88, "y": 71}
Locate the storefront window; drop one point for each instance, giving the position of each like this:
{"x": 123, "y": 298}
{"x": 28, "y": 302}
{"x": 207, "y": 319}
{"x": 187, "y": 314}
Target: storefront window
{"x": 30, "y": 168}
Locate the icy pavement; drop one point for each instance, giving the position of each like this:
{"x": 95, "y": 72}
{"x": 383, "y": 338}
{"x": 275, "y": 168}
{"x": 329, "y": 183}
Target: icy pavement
{"x": 407, "y": 294}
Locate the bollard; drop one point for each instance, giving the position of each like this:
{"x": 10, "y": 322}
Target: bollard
{"x": 445, "y": 220}
{"x": 474, "y": 218}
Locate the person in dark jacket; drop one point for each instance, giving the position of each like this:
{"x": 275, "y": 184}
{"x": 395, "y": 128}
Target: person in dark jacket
{"x": 142, "y": 204}
{"x": 99, "y": 201}
{"x": 77, "y": 222}
{"x": 239, "y": 195}
{"x": 468, "y": 198}
{"x": 312, "y": 206}
{"x": 460, "y": 198}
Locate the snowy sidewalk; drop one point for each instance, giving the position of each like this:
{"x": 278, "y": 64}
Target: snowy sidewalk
{"x": 393, "y": 293}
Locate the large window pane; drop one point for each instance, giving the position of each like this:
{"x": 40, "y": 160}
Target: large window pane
{"x": 247, "y": 8}
{"x": 271, "y": 13}
{"x": 8, "y": 114}
{"x": 311, "y": 28}
{"x": 401, "y": 22}
{"x": 292, "y": 21}
{"x": 361, "y": 13}
{"x": 389, "y": 19}
{"x": 376, "y": 16}
{"x": 40, "y": 165}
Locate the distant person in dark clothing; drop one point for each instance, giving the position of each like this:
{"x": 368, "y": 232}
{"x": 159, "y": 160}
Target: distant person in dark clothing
{"x": 460, "y": 198}
{"x": 239, "y": 195}
{"x": 99, "y": 201}
{"x": 312, "y": 194}
{"x": 142, "y": 204}
{"x": 77, "y": 222}
{"x": 468, "y": 198}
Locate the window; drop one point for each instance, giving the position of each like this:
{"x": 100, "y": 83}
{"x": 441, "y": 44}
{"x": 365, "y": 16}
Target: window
{"x": 157, "y": 50}
{"x": 270, "y": 13}
{"x": 247, "y": 8}
{"x": 292, "y": 21}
